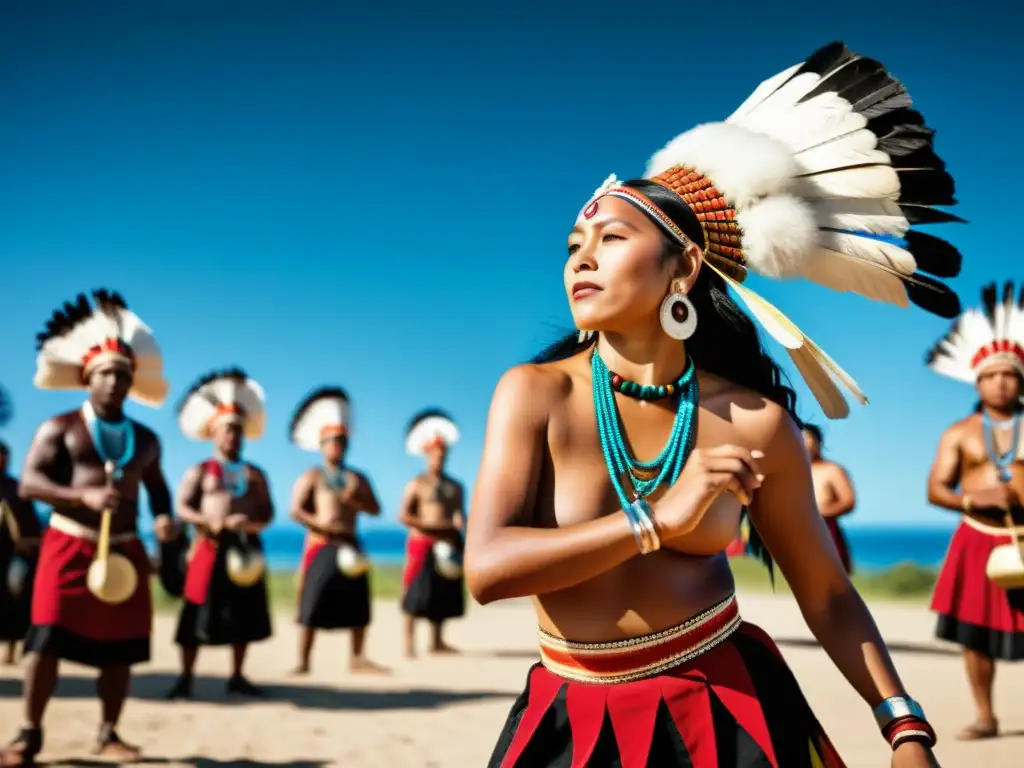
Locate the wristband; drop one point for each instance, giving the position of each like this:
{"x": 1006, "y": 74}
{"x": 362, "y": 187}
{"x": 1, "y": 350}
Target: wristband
{"x": 909, "y": 729}
{"x": 896, "y": 708}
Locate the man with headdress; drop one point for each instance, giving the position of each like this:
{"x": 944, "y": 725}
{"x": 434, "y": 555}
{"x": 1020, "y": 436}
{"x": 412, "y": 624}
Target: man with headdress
{"x": 833, "y": 491}
{"x": 91, "y": 602}
{"x": 979, "y": 474}
{"x": 334, "y": 590}
{"x": 228, "y": 502}
{"x": 433, "y": 507}
{"x": 19, "y": 548}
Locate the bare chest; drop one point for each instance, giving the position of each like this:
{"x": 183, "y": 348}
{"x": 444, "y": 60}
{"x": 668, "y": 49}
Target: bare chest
{"x": 577, "y": 483}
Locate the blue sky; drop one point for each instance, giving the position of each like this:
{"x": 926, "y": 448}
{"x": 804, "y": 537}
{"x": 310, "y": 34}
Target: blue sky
{"x": 378, "y": 197}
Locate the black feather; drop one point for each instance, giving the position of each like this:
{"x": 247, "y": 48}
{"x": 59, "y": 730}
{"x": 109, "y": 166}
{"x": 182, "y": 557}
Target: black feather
{"x": 922, "y": 214}
{"x": 69, "y": 315}
{"x": 6, "y": 408}
{"x": 427, "y": 414}
{"x": 988, "y": 299}
{"x": 826, "y": 59}
{"x": 226, "y": 373}
{"x": 926, "y": 187}
{"x": 934, "y": 255}
{"x": 932, "y": 296}
{"x": 312, "y": 397}
{"x": 847, "y": 79}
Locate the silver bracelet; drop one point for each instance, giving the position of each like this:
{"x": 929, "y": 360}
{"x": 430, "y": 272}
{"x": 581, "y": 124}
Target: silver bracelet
{"x": 896, "y": 707}
{"x": 645, "y": 516}
{"x": 638, "y": 531}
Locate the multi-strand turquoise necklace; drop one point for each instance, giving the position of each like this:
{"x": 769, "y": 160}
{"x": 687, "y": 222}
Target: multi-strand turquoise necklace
{"x": 645, "y": 476}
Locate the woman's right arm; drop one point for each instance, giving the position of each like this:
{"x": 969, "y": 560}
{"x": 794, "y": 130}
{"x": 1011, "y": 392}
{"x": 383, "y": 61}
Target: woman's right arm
{"x": 504, "y": 556}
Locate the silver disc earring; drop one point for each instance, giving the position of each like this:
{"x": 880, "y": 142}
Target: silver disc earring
{"x": 678, "y": 316}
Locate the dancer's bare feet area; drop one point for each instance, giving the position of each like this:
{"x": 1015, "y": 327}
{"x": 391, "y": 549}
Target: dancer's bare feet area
{"x": 23, "y": 750}
{"x": 117, "y": 751}
{"x": 444, "y": 649}
{"x": 982, "y": 729}
{"x": 363, "y": 666}
{"x": 300, "y": 671}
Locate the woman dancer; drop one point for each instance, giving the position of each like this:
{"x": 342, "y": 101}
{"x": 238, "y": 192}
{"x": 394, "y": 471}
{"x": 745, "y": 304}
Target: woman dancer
{"x": 644, "y": 657}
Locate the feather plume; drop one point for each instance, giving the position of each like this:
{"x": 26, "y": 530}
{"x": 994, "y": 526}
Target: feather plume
{"x": 212, "y": 393}
{"x": 427, "y": 426}
{"x": 322, "y": 408}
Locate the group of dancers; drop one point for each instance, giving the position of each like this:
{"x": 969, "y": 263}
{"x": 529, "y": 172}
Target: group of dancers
{"x": 617, "y": 466}
{"x": 80, "y": 589}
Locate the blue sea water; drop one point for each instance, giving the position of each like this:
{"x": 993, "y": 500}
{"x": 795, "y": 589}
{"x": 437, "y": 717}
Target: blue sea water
{"x": 874, "y": 547}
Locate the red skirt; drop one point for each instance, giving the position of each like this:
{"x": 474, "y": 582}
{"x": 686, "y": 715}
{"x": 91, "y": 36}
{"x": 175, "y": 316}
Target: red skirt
{"x": 973, "y": 610}
{"x": 199, "y": 570}
{"x": 726, "y": 700}
{"x": 70, "y": 622}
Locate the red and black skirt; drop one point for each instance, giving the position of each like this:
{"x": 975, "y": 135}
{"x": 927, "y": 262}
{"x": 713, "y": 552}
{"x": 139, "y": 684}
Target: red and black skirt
{"x": 839, "y": 539}
{"x": 713, "y": 692}
{"x": 216, "y": 611}
{"x": 428, "y": 594}
{"x": 328, "y": 599}
{"x": 71, "y": 623}
{"x": 973, "y": 610}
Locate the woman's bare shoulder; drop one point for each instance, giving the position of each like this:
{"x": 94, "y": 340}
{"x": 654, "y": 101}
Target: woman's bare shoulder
{"x": 758, "y": 421}
{"x": 539, "y": 386}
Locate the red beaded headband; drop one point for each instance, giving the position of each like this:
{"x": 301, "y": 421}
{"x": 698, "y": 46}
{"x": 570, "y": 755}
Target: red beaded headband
{"x": 110, "y": 351}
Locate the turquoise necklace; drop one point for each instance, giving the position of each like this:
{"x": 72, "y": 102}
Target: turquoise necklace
{"x": 645, "y": 476}
{"x": 236, "y": 482}
{"x": 335, "y": 477}
{"x": 120, "y": 433}
{"x": 1004, "y": 462}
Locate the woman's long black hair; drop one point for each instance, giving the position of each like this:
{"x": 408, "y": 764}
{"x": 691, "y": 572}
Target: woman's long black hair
{"x": 726, "y": 344}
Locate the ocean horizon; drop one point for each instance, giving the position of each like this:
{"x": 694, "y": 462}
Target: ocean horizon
{"x": 874, "y": 547}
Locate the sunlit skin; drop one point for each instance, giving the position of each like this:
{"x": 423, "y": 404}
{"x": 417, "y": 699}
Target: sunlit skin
{"x": 962, "y": 468}
{"x": 833, "y": 488}
{"x": 333, "y": 515}
{"x": 441, "y": 515}
{"x": 545, "y": 521}
{"x": 63, "y": 450}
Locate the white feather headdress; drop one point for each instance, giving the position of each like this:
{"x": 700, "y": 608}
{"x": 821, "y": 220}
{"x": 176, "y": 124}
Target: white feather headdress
{"x": 983, "y": 336}
{"x": 819, "y": 174}
{"x": 80, "y": 337}
{"x": 228, "y": 395}
{"x": 429, "y": 428}
{"x": 324, "y": 413}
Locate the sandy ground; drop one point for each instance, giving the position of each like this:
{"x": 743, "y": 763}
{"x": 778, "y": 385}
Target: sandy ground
{"x": 447, "y": 711}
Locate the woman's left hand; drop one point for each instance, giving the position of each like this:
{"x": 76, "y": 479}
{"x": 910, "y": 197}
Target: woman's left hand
{"x": 913, "y": 755}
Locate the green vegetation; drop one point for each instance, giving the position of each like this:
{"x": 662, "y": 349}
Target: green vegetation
{"x": 905, "y": 581}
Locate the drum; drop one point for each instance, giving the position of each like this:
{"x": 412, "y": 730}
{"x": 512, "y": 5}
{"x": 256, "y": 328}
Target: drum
{"x": 351, "y": 562}
{"x": 447, "y": 560}
{"x": 1006, "y": 566}
{"x": 245, "y": 565}
{"x": 112, "y": 579}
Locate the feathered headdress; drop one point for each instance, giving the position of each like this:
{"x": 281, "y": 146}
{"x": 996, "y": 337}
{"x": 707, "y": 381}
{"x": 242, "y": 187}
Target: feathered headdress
{"x": 323, "y": 414}
{"x": 228, "y": 395}
{"x": 429, "y": 428}
{"x": 80, "y": 337}
{"x": 6, "y": 408}
{"x": 992, "y": 333}
{"x": 819, "y": 174}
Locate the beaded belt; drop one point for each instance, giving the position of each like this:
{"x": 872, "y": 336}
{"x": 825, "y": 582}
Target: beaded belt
{"x": 991, "y": 530}
{"x": 623, "y": 661}
{"x": 74, "y": 528}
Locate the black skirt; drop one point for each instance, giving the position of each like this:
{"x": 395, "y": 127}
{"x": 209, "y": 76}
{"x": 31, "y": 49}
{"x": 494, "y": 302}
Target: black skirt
{"x": 328, "y": 599}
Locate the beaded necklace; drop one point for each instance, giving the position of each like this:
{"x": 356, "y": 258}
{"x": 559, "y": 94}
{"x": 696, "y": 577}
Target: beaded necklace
{"x": 234, "y": 477}
{"x": 647, "y": 391}
{"x": 1002, "y": 462}
{"x": 108, "y": 434}
{"x": 336, "y": 478}
{"x": 644, "y": 476}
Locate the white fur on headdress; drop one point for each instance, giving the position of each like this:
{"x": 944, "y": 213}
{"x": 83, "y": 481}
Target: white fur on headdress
{"x": 80, "y": 331}
{"x": 221, "y": 396}
{"x": 428, "y": 427}
{"x": 823, "y": 168}
{"x": 984, "y": 336}
{"x": 325, "y": 410}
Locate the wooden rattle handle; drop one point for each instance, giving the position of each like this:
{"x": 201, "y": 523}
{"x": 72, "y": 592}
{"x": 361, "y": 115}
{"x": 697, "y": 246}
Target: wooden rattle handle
{"x": 103, "y": 545}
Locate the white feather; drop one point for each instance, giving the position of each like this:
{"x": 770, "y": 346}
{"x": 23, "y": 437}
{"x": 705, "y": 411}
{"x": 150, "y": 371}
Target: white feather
{"x": 847, "y": 274}
{"x": 762, "y": 92}
{"x": 779, "y": 234}
{"x": 198, "y": 411}
{"x": 869, "y": 182}
{"x": 878, "y": 252}
{"x": 428, "y": 429}
{"x": 879, "y": 217}
{"x": 327, "y": 411}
